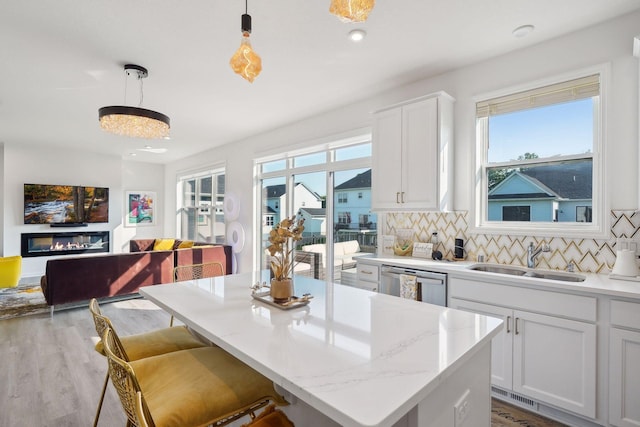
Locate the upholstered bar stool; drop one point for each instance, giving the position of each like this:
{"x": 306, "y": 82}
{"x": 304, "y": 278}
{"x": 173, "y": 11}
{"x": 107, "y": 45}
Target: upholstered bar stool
{"x": 187, "y": 388}
{"x": 270, "y": 417}
{"x": 143, "y": 345}
{"x": 197, "y": 271}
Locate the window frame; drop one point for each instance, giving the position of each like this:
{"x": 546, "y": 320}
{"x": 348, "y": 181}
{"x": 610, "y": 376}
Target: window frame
{"x": 478, "y": 222}
{"x": 182, "y": 178}
{"x": 330, "y": 146}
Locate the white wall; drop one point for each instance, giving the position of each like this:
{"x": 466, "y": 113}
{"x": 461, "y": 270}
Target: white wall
{"x": 609, "y": 42}
{"x": 28, "y": 165}
{"x": 2, "y": 198}
{"x": 138, "y": 176}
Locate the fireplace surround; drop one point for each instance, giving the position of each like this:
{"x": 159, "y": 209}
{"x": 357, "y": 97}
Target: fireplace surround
{"x": 67, "y": 243}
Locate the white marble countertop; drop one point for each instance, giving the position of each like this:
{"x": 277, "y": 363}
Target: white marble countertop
{"x": 361, "y": 358}
{"x": 600, "y": 284}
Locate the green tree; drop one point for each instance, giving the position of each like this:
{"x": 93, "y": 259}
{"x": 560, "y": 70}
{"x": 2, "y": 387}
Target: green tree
{"x": 497, "y": 175}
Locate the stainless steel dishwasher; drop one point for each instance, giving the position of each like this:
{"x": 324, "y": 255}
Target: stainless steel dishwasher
{"x": 432, "y": 286}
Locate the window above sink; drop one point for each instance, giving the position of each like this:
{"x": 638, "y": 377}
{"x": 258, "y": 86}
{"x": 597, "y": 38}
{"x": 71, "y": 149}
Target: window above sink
{"x": 539, "y": 150}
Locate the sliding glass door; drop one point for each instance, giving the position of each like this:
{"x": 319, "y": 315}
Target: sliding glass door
{"x": 331, "y": 190}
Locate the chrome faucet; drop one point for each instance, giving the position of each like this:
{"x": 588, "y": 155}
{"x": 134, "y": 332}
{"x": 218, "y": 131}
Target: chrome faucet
{"x": 532, "y": 253}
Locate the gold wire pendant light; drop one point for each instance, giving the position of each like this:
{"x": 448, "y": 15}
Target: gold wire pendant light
{"x": 134, "y": 121}
{"x": 352, "y": 10}
{"x": 245, "y": 61}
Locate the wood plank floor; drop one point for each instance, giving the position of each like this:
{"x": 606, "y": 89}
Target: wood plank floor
{"x": 51, "y": 376}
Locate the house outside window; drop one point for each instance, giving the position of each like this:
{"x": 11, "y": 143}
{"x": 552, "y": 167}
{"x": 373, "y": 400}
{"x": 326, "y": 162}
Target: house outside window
{"x": 343, "y": 198}
{"x": 539, "y": 159}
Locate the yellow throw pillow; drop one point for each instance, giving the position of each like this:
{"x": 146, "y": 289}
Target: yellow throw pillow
{"x": 186, "y": 244}
{"x": 163, "y": 244}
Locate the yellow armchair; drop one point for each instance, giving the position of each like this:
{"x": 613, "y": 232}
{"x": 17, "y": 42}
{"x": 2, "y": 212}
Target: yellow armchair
{"x": 10, "y": 269}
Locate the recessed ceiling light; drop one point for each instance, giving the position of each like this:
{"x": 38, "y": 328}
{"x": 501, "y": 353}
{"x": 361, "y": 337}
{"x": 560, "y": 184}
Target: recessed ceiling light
{"x": 357, "y": 35}
{"x": 522, "y": 31}
{"x": 149, "y": 149}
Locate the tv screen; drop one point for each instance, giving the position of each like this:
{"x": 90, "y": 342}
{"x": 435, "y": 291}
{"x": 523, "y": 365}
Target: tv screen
{"x": 65, "y": 204}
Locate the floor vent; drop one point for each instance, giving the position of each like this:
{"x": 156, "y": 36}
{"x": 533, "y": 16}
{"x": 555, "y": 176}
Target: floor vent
{"x": 515, "y": 398}
{"x": 500, "y": 392}
{"x": 524, "y": 401}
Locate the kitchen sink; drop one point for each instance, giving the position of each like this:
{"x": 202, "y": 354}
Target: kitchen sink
{"x": 528, "y": 272}
{"x": 500, "y": 269}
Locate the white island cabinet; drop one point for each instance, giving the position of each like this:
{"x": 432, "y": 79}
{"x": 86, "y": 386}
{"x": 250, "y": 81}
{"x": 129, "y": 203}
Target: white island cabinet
{"x": 547, "y": 348}
{"x": 351, "y": 357}
{"x": 412, "y": 161}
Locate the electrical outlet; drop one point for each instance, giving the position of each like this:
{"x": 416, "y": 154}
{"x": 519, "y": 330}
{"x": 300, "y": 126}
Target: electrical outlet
{"x": 461, "y": 409}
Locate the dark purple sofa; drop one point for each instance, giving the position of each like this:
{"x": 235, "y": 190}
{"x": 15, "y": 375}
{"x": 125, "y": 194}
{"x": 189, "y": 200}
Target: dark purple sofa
{"x": 75, "y": 279}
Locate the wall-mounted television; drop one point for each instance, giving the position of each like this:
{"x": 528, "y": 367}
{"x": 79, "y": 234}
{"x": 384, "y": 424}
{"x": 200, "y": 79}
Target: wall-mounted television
{"x": 65, "y": 204}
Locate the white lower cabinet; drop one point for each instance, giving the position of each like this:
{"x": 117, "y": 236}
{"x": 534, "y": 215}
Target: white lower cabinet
{"x": 554, "y": 360}
{"x": 368, "y": 276}
{"x": 545, "y": 357}
{"x": 624, "y": 365}
{"x": 501, "y": 345}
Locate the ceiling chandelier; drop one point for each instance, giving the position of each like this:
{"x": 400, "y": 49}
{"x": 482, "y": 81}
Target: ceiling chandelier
{"x": 134, "y": 121}
{"x": 352, "y": 10}
{"x": 245, "y": 61}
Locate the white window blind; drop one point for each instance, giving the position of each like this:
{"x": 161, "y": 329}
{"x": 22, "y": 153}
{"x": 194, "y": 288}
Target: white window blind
{"x": 581, "y": 88}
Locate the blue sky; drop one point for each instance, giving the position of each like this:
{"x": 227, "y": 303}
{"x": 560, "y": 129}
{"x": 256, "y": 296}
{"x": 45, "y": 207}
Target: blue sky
{"x": 559, "y": 129}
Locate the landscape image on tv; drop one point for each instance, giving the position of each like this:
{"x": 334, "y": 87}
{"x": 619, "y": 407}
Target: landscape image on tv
{"x": 65, "y": 204}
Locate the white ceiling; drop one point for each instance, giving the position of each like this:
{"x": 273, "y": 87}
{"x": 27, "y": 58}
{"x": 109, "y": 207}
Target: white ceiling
{"x": 62, "y": 60}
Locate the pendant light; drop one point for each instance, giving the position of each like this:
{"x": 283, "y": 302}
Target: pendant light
{"x": 352, "y": 10}
{"x": 135, "y": 122}
{"x": 245, "y": 61}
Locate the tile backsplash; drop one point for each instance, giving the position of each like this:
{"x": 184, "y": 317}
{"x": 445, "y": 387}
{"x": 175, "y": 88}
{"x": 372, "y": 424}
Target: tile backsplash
{"x": 587, "y": 255}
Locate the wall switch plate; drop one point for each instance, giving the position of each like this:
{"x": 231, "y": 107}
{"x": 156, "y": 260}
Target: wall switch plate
{"x": 461, "y": 409}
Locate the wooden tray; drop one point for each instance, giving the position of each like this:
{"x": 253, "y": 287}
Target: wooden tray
{"x": 295, "y": 302}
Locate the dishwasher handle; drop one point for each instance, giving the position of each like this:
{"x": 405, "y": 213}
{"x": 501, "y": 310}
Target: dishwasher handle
{"x": 421, "y": 274}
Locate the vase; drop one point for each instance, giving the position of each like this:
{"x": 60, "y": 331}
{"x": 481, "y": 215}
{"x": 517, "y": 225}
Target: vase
{"x": 281, "y": 290}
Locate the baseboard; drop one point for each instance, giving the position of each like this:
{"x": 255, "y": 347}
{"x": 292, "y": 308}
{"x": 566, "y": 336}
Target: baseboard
{"x": 540, "y": 408}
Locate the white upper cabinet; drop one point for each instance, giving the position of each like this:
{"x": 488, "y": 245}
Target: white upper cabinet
{"x": 412, "y": 161}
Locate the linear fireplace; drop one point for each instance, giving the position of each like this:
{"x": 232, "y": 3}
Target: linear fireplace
{"x": 69, "y": 243}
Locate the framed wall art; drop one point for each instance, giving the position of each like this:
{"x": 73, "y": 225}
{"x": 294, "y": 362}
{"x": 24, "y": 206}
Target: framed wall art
{"x": 140, "y": 208}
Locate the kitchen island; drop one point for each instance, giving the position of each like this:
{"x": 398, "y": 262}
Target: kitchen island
{"x": 350, "y": 357}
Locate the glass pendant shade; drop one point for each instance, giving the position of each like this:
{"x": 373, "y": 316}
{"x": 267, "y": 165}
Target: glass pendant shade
{"x": 352, "y": 10}
{"x": 245, "y": 61}
{"x": 134, "y": 122}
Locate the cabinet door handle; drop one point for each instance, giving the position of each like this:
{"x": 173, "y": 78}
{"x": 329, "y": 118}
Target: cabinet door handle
{"x": 366, "y": 272}
{"x": 398, "y": 197}
{"x": 402, "y": 198}
{"x": 508, "y": 324}
{"x": 517, "y": 332}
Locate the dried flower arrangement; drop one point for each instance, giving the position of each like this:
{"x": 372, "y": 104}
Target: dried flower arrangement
{"x": 282, "y": 237}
